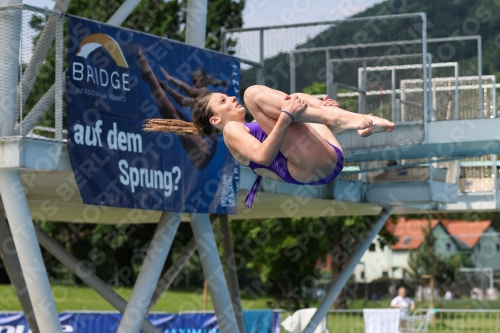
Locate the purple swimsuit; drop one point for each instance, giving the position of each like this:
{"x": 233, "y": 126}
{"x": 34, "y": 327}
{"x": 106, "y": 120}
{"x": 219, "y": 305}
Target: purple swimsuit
{"x": 280, "y": 166}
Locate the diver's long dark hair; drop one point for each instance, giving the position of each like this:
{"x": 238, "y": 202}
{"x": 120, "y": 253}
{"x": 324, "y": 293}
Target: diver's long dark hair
{"x": 200, "y": 125}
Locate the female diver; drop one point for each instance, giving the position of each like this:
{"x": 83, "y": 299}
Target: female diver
{"x": 291, "y": 141}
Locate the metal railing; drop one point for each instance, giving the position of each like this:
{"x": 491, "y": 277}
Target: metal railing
{"x": 440, "y": 320}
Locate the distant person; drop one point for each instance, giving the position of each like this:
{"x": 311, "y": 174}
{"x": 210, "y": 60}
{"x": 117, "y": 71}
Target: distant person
{"x": 402, "y": 302}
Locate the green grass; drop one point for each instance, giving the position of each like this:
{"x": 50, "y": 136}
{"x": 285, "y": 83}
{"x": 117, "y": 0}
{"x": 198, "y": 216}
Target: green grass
{"x": 70, "y": 298}
{"x": 83, "y": 298}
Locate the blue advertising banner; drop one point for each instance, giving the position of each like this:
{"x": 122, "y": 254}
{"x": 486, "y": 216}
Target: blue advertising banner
{"x": 260, "y": 321}
{"x": 118, "y": 78}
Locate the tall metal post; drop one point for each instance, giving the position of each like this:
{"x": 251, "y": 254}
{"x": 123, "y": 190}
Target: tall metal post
{"x": 212, "y": 268}
{"x": 168, "y": 278}
{"x": 424, "y": 73}
{"x": 494, "y": 171}
{"x": 13, "y": 268}
{"x": 30, "y": 257}
{"x": 329, "y": 75}
{"x": 37, "y": 59}
{"x": 10, "y": 38}
{"x": 480, "y": 74}
{"x": 362, "y": 85}
{"x": 150, "y": 272}
{"x": 231, "y": 274}
{"x": 402, "y": 87}
{"x": 393, "y": 82}
{"x": 432, "y": 109}
{"x": 494, "y": 101}
{"x": 347, "y": 271}
{"x": 196, "y": 22}
{"x": 457, "y": 93}
{"x": 261, "y": 72}
{"x": 60, "y": 82}
{"x": 292, "y": 72}
{"x": 88, "y": 276}
{"x": 123, "y": 12}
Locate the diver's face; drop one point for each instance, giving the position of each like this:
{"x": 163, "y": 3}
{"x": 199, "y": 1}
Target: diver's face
{"x": 226, "y": 108}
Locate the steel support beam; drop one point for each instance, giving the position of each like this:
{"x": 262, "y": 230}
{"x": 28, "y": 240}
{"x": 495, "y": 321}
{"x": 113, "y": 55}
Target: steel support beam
{"x": 171, "y": 274}
{"x": 347, "y": 271}
{"x": 212, "y": 268}
{"x": 88, "y": 276}
{"x": 123, "y": 12}
{"x": 231, "y": 274}
{"x": 30, "y": 257}
{"x": 196, "y": 23}
{"x": 10, "y": 39}
{"x": 42, "y": 47}
{"x": 13, "y": 267}
{"x": 150, "y": 272}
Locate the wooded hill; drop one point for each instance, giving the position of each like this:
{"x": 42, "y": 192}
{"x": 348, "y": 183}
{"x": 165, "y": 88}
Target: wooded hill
{"x": 445, "y": 18}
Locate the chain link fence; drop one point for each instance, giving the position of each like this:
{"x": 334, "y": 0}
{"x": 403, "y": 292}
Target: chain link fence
{"x": 32, "y": 83}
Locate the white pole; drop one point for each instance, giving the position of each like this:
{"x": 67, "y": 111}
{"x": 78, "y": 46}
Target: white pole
{"x": 329, "y": 75}
{"x": 30, "y": 257}
{"x": 494, "y": 93}
{"x": 87, "y": 276}
{"x": 393, "y": 79}
{"x": 123, "y": 12}
{"x": 457, "y": 92}
{"x": 15, "y": 273}
{"x": 231, "y": 274}
{"x": 261, "y": 71}
{"x": 480, "y": 75}
{"x": 150, "y": 272}
{"x": 425, "y": 69}
{"x": 212, "y": 268}
{"x": 10, "y": 39}
{"x": 346, "y": 272}
{"x": 196, "y": 23}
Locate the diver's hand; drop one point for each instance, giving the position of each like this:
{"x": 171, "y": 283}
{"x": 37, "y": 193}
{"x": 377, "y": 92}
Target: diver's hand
{"x": 293, "y": 104}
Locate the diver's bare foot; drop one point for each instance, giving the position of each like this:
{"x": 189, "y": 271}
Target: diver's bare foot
{"x": 379, "y": 125}
{"x": 340, "y": 120}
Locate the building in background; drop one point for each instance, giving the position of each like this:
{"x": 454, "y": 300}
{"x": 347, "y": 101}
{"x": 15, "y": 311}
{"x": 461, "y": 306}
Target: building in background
{"x": 478, "y": 239}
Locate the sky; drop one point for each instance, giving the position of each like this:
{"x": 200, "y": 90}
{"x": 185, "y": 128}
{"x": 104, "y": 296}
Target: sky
{"x": 276, "y": 12}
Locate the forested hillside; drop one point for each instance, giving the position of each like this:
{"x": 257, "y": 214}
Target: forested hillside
{"x": 445, "y": 18}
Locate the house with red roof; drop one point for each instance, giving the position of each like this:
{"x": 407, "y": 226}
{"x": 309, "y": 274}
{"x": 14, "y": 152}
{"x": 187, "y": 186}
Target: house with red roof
{"x": 477, "y": 239}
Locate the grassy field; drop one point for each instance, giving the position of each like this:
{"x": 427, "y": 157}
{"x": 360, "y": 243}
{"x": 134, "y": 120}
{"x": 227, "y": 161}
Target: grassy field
{"x": 83, "y": 298}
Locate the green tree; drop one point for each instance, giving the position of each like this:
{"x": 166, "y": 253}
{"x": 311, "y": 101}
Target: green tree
{"x": 426, "y": 261}
{"x": 284, "y": 254}
{"x": 166, "y": 18}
